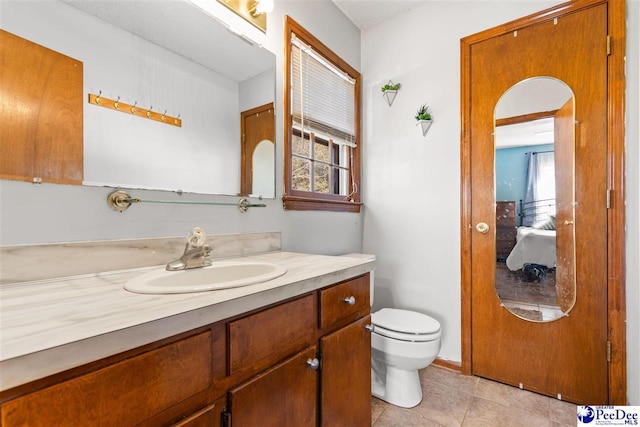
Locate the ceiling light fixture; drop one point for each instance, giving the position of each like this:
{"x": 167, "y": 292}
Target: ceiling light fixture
{"x": 260, "y": 7}
{"x": 252, "y": 11}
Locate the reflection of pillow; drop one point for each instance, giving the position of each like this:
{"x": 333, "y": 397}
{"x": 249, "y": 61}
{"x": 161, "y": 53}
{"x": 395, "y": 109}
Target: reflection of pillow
{"x": 548, "y": 223}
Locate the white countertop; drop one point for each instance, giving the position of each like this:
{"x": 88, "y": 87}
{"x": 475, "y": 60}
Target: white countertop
{"x": 49, "y": 326}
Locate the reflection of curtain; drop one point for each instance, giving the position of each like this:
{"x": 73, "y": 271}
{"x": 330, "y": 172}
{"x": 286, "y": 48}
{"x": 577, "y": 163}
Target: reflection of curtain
{"x": 540, "y": 194}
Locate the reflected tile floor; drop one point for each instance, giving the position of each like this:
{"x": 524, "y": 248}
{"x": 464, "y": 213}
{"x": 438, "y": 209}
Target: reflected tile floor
{"x": 453, "y": 399}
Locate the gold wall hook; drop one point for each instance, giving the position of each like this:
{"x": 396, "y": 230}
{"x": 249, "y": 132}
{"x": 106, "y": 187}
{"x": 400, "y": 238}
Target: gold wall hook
{"x": 133, "y": 109}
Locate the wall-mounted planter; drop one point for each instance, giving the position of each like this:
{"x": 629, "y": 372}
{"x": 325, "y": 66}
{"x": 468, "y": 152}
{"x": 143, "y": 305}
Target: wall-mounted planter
{"x": 389, "y": 91}
{"x": 389, "y": 95}
{"x": 423, "y": 126}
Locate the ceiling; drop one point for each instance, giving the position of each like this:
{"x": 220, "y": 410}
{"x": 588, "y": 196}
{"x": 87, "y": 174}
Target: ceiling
{"x": 185, "y": 29}
{"x": 369, "y": 13}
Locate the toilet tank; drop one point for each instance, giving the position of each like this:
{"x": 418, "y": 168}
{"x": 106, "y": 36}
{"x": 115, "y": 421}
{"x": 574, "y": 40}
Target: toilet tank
{"x": 368, "y": 257}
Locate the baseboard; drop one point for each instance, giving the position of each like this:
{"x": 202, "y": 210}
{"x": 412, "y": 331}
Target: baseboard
{"x": 448, "y": 364}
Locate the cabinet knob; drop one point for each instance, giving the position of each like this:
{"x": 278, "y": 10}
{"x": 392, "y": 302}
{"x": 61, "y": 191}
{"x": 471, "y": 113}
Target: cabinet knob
{"x": 313, "y": 363}
{"x": 351, "y": 300}
{"x": 370, "y": 328}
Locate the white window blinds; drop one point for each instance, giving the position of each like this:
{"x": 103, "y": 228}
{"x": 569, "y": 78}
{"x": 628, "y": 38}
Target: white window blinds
{"x": 322, "y": 96}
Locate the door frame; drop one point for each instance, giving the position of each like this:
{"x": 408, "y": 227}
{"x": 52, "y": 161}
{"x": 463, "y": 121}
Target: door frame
{"x": 246, "y": 155}
{"x": 616, "y": 310}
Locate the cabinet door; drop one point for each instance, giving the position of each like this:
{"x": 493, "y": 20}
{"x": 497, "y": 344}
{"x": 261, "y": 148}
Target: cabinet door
{"x": 346, "y": 376}
{"x": 285, "y": 395}
{"x": 41, "y": 133}
{"x": 210, "y": 416}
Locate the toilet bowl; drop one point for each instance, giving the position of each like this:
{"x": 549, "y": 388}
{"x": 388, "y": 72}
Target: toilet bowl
{"x": 402, "y": 342}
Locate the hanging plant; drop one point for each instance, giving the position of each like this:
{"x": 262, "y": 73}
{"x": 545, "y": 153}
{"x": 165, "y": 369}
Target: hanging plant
{"x": 389, "y": 91}
{"x": 423, "y": 113}
{"x": 423, "y": 116}
{"x": 390, "y": 86}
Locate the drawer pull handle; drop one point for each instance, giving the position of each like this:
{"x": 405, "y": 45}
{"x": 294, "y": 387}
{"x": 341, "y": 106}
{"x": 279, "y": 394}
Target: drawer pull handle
{"x": 370, "y": 328}
{"x": 313, "y": 363}
{"x": 351, "y": 300}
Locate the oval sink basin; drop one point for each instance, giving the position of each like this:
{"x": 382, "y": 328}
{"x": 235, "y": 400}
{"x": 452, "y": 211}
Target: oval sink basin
{"x": 220, "y": 275}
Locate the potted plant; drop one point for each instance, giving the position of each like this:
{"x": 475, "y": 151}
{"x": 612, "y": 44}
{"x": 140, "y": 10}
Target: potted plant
{"x": 423, "y": 116}
{"x": 389, "y": 91}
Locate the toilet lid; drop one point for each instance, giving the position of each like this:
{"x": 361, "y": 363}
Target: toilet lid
{"x": 405, "y": 321}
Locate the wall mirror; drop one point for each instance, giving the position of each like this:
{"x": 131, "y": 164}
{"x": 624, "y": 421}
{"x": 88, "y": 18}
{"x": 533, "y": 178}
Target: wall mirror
{"x": 534, "y": 176}
{"x": 171, "y": 57}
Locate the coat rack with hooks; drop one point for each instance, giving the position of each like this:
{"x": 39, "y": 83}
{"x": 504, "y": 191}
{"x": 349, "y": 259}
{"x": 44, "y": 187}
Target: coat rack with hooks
{"x": 101, "y": 101}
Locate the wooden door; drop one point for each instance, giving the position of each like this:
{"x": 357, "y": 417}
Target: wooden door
{"x": 346, "y": 376}
{"x": 566, "y": 358}
{"x": 285, "y": 395}
{"x": 564, "y": 137}
{"x": 257, "y": 125}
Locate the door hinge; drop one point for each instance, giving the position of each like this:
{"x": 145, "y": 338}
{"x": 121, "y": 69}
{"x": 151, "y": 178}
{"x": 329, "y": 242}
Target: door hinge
{"x": 226, "y": 418}
{"x": 608, "y": 199}
{"x": 608, "y": 351}
{"x": 608, "y": 45}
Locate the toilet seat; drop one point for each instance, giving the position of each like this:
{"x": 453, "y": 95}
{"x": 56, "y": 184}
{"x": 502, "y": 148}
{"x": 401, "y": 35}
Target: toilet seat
{"x": 405, "y": 325}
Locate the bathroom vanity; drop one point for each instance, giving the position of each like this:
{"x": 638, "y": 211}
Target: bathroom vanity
{"x": 292, "y": 351}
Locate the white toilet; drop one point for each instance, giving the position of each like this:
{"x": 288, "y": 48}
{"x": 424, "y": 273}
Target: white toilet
{"x": 402, "y": 342}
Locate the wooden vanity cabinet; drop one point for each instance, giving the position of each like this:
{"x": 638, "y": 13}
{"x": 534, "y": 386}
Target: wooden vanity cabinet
{"x": 301, "y": 362}
{"x": 128, "y": 392}
{"x": 329, "y": 382}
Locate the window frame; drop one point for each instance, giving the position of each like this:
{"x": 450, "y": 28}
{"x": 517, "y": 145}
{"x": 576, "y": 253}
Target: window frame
{"x": 308, "y": 200}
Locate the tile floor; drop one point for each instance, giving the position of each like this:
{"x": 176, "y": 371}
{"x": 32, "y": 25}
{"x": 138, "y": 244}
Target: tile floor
{"x": 453, "y": 399}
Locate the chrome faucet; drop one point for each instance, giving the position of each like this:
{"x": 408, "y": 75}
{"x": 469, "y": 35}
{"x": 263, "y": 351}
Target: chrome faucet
{"x": 195, "y": 252}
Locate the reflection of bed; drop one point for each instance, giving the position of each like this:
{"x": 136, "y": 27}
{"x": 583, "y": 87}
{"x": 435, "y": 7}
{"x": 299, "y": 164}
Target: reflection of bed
{"x": 533, "y": 246}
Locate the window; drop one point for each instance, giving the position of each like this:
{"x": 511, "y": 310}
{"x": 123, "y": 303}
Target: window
{"x": 322, "y": 105}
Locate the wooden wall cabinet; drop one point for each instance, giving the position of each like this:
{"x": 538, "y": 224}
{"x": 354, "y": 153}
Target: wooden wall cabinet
{"x": 302, "y": 362}
{"x": 41, "y": 109}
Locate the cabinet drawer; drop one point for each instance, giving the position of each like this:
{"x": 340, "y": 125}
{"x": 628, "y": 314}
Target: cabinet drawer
{"x": 123, "y": 394}
{"x": 266, "y": 337}
{"x": 335, "y": 302}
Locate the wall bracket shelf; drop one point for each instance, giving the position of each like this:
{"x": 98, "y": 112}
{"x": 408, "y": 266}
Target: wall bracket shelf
{"x": 120, "y": 201}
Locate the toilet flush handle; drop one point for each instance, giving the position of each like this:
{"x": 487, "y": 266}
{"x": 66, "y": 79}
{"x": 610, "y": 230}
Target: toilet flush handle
{"x": 370, "y": 328}
{"x": 351, "y": 300}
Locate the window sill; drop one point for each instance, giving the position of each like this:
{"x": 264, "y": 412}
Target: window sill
{"x": 292, "y": 203}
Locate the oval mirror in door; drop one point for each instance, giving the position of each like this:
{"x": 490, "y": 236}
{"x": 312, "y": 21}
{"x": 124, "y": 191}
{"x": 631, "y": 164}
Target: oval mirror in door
{"x": 535, "y": 195}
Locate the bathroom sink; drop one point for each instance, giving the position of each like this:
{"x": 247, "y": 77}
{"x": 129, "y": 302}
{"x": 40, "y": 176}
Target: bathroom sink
{"x": 220, "y": 275}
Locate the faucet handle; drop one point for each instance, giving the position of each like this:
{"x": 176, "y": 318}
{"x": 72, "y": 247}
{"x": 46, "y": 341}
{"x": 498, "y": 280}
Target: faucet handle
{"x": 197, "y": 237}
